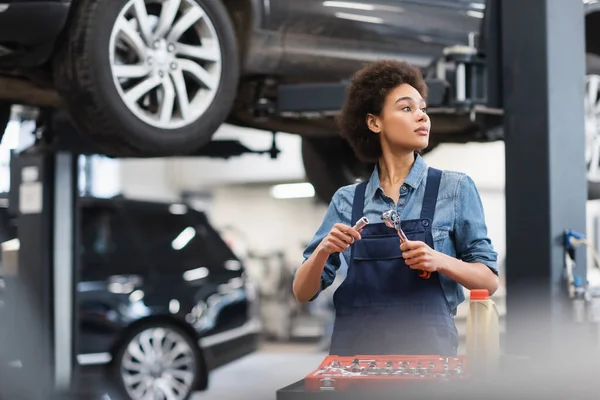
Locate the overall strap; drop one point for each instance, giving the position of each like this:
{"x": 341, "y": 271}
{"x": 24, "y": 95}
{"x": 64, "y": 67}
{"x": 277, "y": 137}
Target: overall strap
{"x": 434, "y": 176}
{"x": 358, "y": 205}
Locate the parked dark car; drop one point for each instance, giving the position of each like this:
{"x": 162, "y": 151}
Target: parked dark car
{"x": 157, "y": 288}
{"x": 157, "y": 78}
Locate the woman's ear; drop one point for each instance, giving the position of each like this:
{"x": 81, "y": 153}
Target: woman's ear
{"x": 373, "y": 123}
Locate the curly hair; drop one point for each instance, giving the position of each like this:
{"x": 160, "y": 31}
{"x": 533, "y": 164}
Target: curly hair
{"x": 366, "y": 94}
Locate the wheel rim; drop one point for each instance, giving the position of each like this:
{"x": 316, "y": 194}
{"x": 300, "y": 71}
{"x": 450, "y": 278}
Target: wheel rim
{"x": 158, "y": 364}
{"x": 592, "y": 127}
{"x": 165, "y": 61}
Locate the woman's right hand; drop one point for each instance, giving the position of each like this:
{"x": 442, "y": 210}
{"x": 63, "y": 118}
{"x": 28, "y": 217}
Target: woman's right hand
{"x": 339, "y": 238}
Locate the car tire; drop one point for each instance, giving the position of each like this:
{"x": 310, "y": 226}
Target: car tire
{"x": 592, "y": 126}
{"x": 104, "y": 42}
{"x": 330, "y": 164}
{"x": 127, "y": 366}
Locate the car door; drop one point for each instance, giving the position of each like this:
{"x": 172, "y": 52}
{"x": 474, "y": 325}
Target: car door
{"x": 331, "y": 39}
{"x": 112, "y": 265}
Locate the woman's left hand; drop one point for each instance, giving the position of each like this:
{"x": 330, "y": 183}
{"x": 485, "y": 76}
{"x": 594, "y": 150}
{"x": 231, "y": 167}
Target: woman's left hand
{"x": 418, "y": 255}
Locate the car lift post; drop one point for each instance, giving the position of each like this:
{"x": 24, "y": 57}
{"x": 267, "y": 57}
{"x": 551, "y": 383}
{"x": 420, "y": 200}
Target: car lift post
{"x": 44, "y": 199}
{"x": 543, "y": 89}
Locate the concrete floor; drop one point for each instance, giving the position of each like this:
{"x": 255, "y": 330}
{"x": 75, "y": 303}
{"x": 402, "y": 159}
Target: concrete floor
{"x": 259, "y": 375}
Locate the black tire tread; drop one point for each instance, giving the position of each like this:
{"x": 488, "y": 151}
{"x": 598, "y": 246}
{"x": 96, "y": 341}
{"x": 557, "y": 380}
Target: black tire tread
{"x": 74, "y": 79}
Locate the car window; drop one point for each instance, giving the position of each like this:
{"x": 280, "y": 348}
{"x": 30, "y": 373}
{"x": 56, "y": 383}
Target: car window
{"x": 177, "y": 243}
{"x": 106, "y": 247}
{"x": 144, "y": 239}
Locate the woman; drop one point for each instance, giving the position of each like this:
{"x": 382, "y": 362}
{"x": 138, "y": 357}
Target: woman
{"x": 385, "y": 305}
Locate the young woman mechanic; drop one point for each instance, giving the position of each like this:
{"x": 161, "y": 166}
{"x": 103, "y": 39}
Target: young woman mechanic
{"x": 385, "y": 305}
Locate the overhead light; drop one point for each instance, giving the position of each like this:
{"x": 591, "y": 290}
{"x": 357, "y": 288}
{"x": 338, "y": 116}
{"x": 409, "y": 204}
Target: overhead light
{"x": 346, "y": 4}
{"x": 195, "y": 274}
{"x": 479, "y": 6}
{"x": 11, "y": 245}
{"x": 475, "y": 14}
{"x": 359, "y": 18}
{"x": 178, "y": 209}
{"x": 293, "y": 191}
{"x": 183, "y": 238}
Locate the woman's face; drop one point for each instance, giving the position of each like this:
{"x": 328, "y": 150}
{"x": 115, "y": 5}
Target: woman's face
{"x": 403, "y": 122}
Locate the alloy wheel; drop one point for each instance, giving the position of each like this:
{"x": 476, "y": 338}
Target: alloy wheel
{"x": 165, "y": 60}
{"x": 592, "y": 127}
{"x": 158, "y": 364}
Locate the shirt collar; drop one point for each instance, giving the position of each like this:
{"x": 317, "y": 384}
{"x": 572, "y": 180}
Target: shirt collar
{"x": 414, "y": 178}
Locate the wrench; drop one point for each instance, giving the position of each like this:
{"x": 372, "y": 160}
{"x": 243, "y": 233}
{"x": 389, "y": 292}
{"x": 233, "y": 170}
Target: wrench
{"x": 392, "y": 220}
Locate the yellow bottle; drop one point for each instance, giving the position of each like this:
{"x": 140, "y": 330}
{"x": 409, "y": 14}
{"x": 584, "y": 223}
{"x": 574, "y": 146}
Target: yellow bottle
{"x": 483, "y": 333}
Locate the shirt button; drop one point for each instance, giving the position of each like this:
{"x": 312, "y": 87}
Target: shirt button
{"x": 403, "y": 188}
{"x": 401, "y": 202}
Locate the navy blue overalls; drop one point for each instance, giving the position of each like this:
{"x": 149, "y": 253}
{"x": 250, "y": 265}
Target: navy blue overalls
{"x": 383, "y": 306}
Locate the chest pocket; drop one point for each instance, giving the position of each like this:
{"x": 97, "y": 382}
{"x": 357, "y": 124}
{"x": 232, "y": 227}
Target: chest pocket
{"x": 382, "y": 247}
{"x": 380, "y": 275}
{"x": 377, "y": 248}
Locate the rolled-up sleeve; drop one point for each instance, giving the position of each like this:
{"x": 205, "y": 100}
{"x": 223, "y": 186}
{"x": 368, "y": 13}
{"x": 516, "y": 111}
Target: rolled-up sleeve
{"x": 332, "y": 217}
{"x": 471, "y": 237}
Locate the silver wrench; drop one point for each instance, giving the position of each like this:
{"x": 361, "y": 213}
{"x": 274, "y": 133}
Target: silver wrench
{"x": 392, "y": 220}
{"x": 361, "y": 223}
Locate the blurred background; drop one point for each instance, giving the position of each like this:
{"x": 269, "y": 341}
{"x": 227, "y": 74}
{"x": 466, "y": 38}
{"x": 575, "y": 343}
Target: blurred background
{"x": 206, "y": 153}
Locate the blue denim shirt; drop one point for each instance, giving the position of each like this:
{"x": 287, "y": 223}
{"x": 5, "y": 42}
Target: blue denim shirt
{"x": 458, "y": 228}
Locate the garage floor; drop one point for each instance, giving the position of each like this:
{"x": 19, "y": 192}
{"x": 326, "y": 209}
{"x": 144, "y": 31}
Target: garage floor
{"x": 259, "y": 375}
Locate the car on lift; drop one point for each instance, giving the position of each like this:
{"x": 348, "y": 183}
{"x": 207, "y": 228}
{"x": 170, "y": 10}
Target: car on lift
{"x": 158, "y": 291}
{"x": 143, "y": 78}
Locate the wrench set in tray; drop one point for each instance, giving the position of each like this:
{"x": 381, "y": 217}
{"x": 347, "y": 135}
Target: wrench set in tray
{"x": 363, "y": 371}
